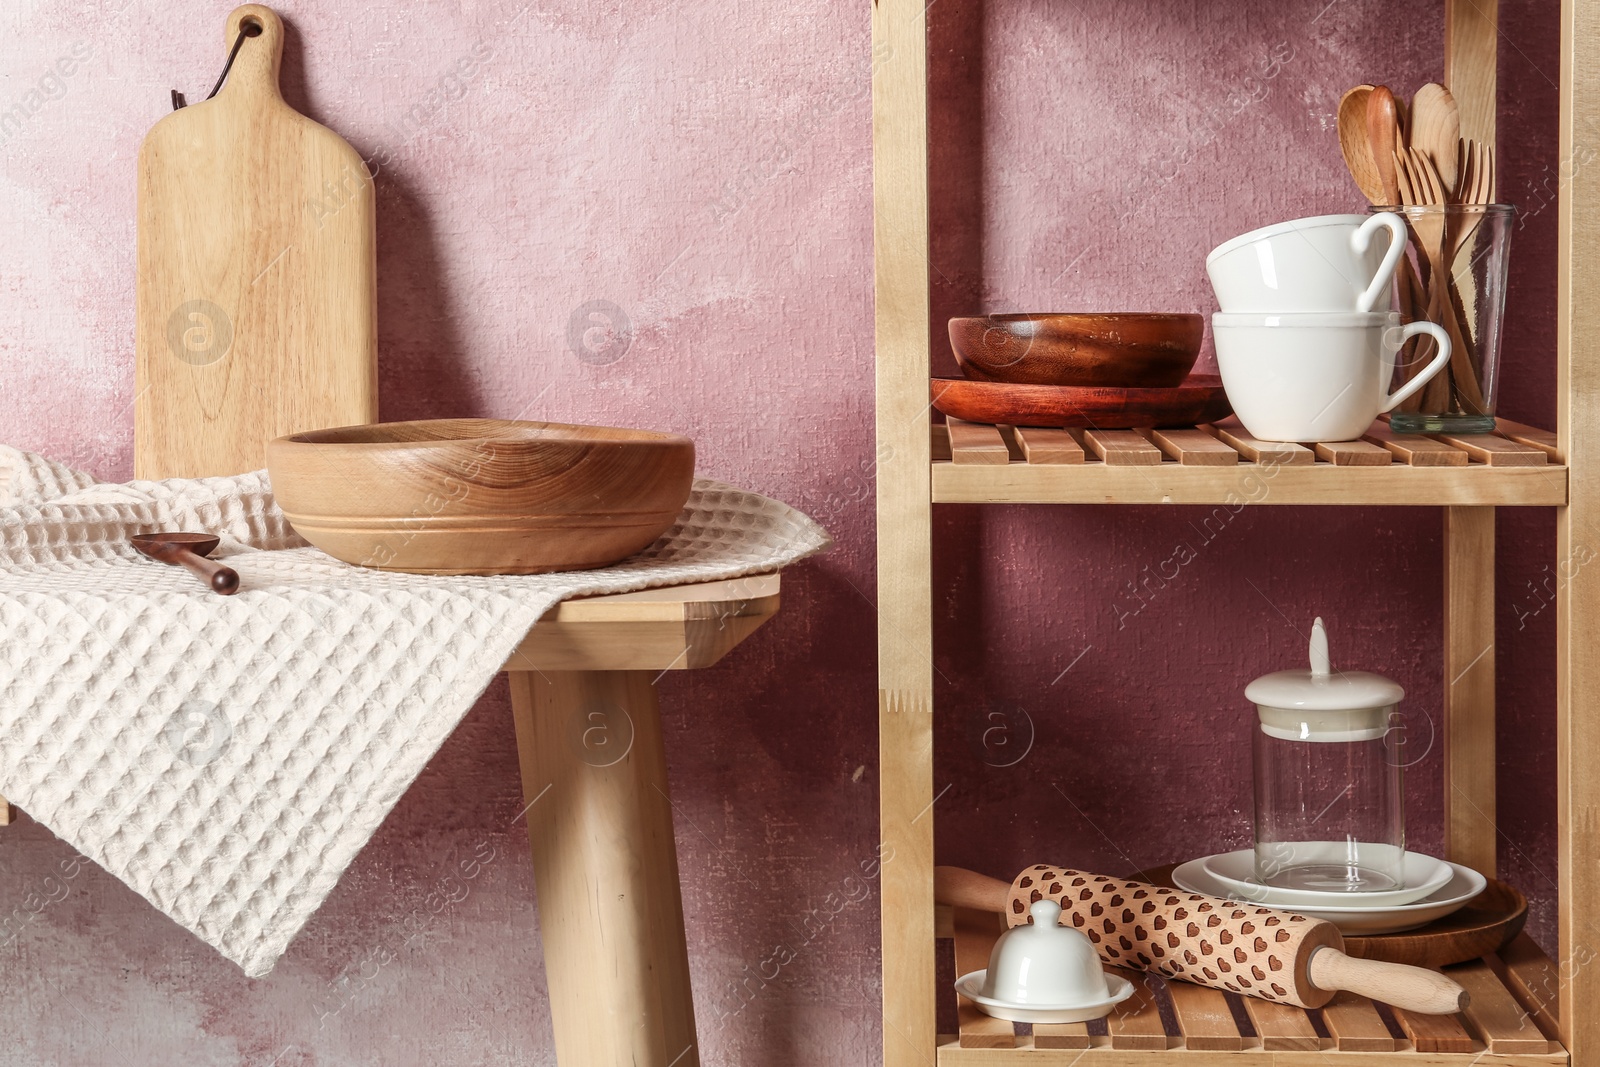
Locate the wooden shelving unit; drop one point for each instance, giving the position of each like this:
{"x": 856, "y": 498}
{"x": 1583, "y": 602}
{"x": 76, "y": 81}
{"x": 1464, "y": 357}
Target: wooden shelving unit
{"x": 1530, "y": 1009}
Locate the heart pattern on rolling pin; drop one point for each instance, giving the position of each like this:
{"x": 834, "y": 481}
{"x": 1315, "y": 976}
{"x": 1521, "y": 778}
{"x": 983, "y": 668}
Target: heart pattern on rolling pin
{"x": 1224, "y": 944}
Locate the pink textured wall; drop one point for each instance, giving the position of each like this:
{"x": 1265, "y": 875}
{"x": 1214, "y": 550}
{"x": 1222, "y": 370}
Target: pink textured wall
{"x": 705, "y": 168}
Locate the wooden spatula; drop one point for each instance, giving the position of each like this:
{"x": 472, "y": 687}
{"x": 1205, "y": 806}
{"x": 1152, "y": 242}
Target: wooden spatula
{"x": 256, "y": 285}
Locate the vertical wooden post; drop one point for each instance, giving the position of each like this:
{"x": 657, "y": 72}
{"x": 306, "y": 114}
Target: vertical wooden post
{"x": 1471, "y": 30}
{"x": 1469, "y": 653}
{"x": 905, "y": 603}
{"x": 1578, "y": 534}
{"x": 594, "y": 776}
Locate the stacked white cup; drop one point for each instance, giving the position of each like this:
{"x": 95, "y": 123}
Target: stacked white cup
{"x": 1302, "y": 353}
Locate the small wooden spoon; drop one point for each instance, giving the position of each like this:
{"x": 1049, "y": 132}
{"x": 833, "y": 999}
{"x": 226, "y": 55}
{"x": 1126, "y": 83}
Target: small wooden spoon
{"x": 1436, "y": 131}
{"x": 1356, "y": 145}
{"x": 189, "y": 550}
{"x": 1383, "y": 134}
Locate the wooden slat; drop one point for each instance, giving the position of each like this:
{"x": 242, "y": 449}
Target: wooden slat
{"x": 1577, "y": 530}
{"x": 1532, "y": 979}
{"x": 1469, "y": 671}
{"x": 1543, "y": 440}
{"x": 1495, "y": 450}
{"x": 903, "y": 341}
{"x": 1061, "y": 1035}
{"x": 1356, "y": 1025}
{"x": 1283, "y": 1028}
{"x": 975, "y": 933}
{"x": 1435, "y": 1033}
{"x": 1417, "y": 449}
{"x": 974, "y": 442}
{"x": 1014, "y": 453}
{"x": 951, "y": 1055}
{"x": 939, "y": 442}
{"x": 1194, "y": 448}
{"x": 1276, "y": 452}
{"x": 1136, "y": 1022}
{"x": 1048, "y": 446}
{"x": 1318, "y": 483}
{"x": 1494, "y": 1016}
{"x": 1122, "y": 448}
{"x": 1205, "y": 1019}
{"x": 1353, "y": 453}
{"x": 1470, "y": 29}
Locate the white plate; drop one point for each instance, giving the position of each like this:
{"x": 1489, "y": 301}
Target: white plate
{"x": 1237, "y": 870}
{"x": 971, "y": 987}
{"x": 1465, "y": 883}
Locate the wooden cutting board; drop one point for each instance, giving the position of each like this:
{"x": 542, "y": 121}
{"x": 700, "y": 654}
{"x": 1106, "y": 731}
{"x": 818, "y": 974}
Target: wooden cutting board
{"x": 257, "y": 293}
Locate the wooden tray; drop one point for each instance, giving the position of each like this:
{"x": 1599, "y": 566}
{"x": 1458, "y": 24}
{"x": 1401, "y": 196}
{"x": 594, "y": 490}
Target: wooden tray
{"x": 1199, "y": 399}
{"x": 1485, "y": 926}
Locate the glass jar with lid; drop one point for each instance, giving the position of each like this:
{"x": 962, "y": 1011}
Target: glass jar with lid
{"x": 1329, "y": 810}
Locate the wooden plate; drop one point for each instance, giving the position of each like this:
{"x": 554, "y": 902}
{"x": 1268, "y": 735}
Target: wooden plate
{"x": 1487, "y": 923}
{"x": 1199, "y": 399}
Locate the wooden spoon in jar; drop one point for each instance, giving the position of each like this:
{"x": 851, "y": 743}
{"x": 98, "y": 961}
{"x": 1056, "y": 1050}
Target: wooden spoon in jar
{"x": 190, "y": 550}
{"x": 1383, "y": 136}
{"x": 1356, "y": 145}
{"x": 1436, "y": 131}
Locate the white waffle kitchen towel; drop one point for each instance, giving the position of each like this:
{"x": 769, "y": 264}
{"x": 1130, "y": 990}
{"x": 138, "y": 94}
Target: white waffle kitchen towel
{"x": 227, "y": 757}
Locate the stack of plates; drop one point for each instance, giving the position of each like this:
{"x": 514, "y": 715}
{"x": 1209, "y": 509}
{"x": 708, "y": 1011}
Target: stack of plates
{"x": 1434, "y": 889}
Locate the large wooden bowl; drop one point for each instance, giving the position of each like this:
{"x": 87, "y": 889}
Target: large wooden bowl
{"x": 480, "y": 496}
{"x": 1124, "y": 350}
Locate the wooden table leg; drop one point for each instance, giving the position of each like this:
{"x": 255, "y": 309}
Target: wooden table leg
{"x": 610, "y": 912}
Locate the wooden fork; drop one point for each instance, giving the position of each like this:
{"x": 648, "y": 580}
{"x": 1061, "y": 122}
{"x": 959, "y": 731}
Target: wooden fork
{"x": 1424, "y": 188}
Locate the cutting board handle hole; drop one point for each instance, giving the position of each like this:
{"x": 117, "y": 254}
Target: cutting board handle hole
{"x": 250, "y": 26}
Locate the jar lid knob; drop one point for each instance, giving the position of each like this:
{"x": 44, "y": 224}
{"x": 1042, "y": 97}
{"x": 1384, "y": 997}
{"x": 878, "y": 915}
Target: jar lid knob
{"x": 1320, "y": 665}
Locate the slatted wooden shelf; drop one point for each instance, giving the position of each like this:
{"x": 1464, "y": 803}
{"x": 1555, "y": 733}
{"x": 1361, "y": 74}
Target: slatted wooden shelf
{"x": 1222, "y": 464}
{"x": 1506, "y": 1023}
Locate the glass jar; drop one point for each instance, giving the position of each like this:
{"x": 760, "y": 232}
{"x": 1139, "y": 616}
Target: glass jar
{"x": 1329, "y": 806}
{"x": 1459, "y": 256}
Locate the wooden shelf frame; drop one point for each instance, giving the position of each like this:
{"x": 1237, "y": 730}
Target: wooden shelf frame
{"x": 910, "y": 481}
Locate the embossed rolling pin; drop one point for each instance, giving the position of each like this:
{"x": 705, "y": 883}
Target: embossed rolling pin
{"x": 1224, "y": 944}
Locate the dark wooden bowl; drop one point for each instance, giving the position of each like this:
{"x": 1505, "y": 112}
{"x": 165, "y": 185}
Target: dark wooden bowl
{"x": 1199, "y": 399}
{"x": 1129, "y": 350}
{"x": 480, "y": 496}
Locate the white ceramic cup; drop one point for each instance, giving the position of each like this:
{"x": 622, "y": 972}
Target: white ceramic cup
{"x": 1316, "y": 376}
{"x": 1326, "y": 263}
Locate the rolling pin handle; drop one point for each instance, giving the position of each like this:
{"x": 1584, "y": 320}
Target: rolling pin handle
{"x": 961, "y": 888}
{"x": 1410, "y": 988}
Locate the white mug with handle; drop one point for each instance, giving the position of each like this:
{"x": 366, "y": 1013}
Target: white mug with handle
{"x": 1326, "y": 263}
{"x": 1316, "y": 376}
